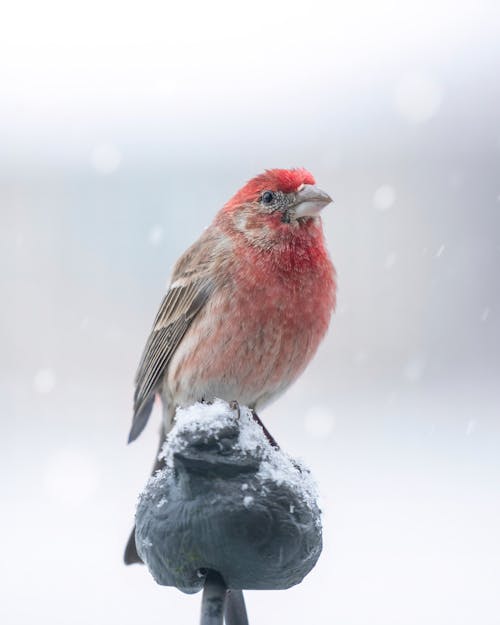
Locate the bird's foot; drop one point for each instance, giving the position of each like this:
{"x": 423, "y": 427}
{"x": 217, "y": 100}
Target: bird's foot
{"x": 234, "y": 405}
{"x": 265, "y": 430}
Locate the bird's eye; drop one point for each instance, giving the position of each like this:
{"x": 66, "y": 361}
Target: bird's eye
{"x": 267, "y": 197}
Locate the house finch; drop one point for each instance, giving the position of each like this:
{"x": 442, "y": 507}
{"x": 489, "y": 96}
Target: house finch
{"x": 247, "y": 307}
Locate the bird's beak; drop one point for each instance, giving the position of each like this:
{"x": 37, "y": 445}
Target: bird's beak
{"x": 310, "y": 200}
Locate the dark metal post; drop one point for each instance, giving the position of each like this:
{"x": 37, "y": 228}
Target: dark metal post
{"x": 213, "y": 599}
{"x": 216, "y": 505}
{"x": 236, "y": 613}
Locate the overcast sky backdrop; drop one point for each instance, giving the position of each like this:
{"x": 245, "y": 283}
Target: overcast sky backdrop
{"x": 123, "y": 128}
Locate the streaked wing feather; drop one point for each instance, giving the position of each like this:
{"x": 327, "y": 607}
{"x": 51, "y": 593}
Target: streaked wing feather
{"x": 164, "y": 341}
{"x": 177, "y": 310}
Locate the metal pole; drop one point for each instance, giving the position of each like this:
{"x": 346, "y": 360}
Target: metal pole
{"x": 236, "y": 613}
{"x": 213, "y": 599}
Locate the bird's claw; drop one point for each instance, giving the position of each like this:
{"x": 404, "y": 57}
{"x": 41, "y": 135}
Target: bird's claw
{"x": 234, "y": 405}
{"x": 269, "y": 437}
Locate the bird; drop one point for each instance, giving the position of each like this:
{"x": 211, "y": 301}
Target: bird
{"x": 247, "y": 307}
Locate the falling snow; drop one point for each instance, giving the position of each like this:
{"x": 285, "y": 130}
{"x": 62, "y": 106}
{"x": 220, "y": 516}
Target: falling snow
{"x": 105, "y": 158}
{"x": 44, "y": 381}
{"x": 414, "y": 369}
{"x": 155, "y": 235}
{"x": 417, "y": 98}
{"x": 384, "y": 197}
{"x": 485, "y": 314}
{"x": 455, "y": 181}
{"x": 390, "y": 260}
{"x": 440, "y": 251}
{"x": 471, "y": 427}
{"x": 84, "y": 323}
{"x": 360, "y": 357}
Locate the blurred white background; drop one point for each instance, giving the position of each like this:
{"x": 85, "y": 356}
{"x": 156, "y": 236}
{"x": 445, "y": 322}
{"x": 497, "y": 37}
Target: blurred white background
{"x": 124, "y": 126}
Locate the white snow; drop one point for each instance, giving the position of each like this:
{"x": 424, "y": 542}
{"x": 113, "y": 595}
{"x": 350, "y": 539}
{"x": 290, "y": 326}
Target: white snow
{"x": 84, "y": 323}
{"x": 44, "y": 381}
{"x": 276, "y": 466}
{"x": 390, "y": 260}
{"x": 414, "y": 369}
{"x": 440, "y": 251}
{"x": 155, "y": 235}
{"x": 105, "y": 158}
{"x": 199, "y": 417}
{"x": 360, "y": 357}
{"x": 417, "y": 98}
{"x": 471, "y": 427}
{"x": 384, "y": 197}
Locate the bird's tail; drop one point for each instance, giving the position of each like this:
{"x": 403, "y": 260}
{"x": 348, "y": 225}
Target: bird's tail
{"x": 141, "y": 416}
{"x": 131, "y": 556}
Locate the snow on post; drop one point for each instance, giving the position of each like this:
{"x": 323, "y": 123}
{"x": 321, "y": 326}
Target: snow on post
{"x": 227, "y": 501}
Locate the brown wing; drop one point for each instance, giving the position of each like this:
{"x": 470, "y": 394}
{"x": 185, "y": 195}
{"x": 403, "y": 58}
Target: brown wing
{"x": 179, "y": 307}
